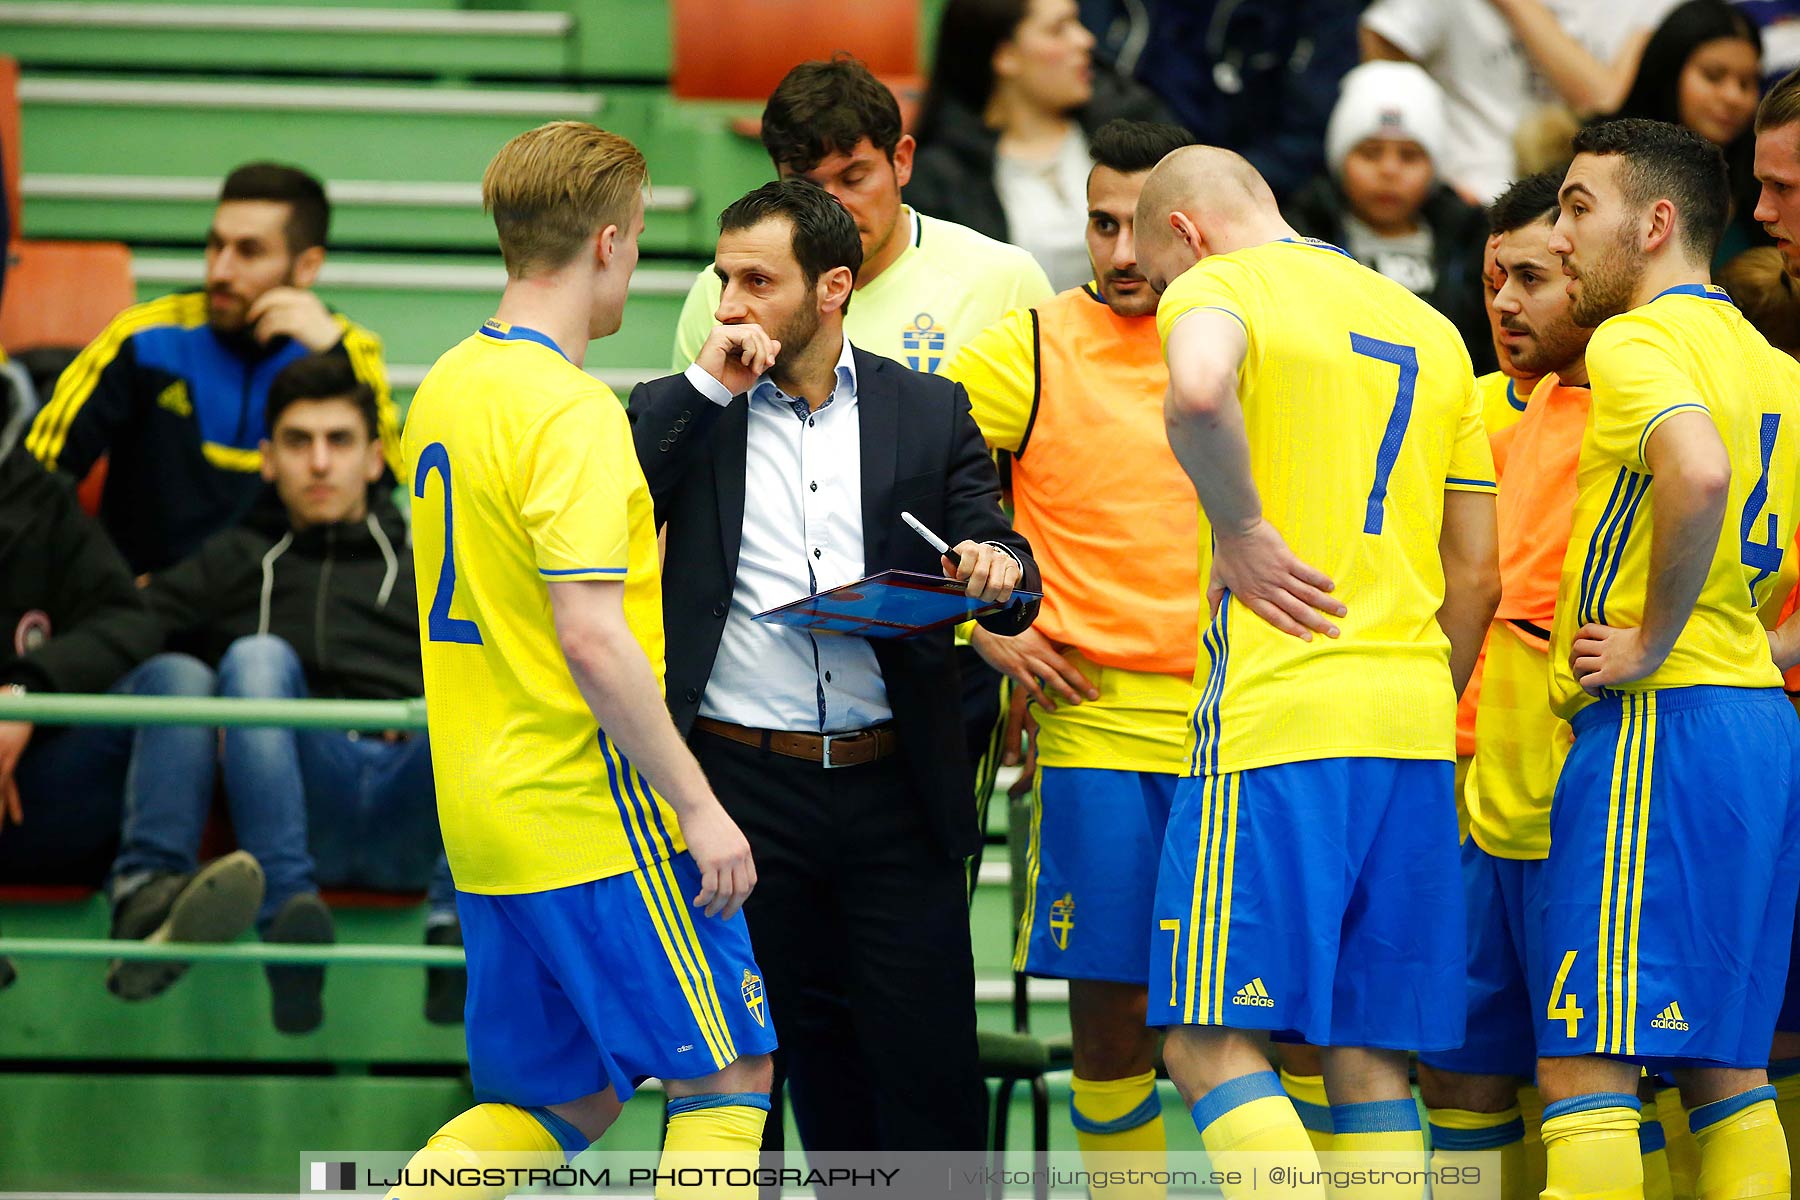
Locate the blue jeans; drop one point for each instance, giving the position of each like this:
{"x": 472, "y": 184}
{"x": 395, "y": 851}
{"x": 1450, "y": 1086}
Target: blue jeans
{"x": 313, "y": 806}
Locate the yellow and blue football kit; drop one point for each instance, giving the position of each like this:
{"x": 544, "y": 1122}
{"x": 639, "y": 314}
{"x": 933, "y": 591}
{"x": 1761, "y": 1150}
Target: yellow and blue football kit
{"x": 524, "y": 475}
{"x": 1074, "y": 392}
{"x": 1670, "y": 888}
{"x": 1318, "y": 820}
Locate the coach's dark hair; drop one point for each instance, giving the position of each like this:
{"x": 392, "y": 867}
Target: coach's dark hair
{"x": 826, "y": 107}
{"x": 1129, "y": 147}
{"x": 1525, "y": 202}
{"x": 325, "y": 376}
{"x": 824, "y": 232}
{"x": 1664, "y": 161}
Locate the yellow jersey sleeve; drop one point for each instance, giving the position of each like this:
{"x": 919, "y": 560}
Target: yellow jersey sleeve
{"x": 1472, "y": 455}
{"x": 574, "y": 479}
{"x": 1220, "y": 288}
{"x": 696, "y": 320}
{"x": 1637, "y": 386}
{"x": 999, "y": 368}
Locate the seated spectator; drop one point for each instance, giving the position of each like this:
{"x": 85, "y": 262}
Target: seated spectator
{"x": 173, "y": 390}
{"x": 1702, "y": 68}
{"x": 317, "y": 601}
{"x": 1255, "y": 78}
{"x": 1498, "y": 60}
{"x": 1758, "y": 283}
{"x": 1383, "y": 201}
{"x": 1003, "y": 133}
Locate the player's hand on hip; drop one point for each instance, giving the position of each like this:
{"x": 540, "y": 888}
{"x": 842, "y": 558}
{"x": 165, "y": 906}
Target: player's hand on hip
{"x": 1604, "y": 657}
{"x": 1262, "y": 574}
{"x": 737, "y": 355}
{"x": 719, "y": 849}
{"x": 1036, "y": 665}
{"x": 989, "y": 573}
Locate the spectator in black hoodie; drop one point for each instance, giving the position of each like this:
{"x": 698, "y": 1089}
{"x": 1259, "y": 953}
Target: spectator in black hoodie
{"x": 1384, "y": 201}
{"x": 1003, "y": 133}
{"x": 313, "y": 597}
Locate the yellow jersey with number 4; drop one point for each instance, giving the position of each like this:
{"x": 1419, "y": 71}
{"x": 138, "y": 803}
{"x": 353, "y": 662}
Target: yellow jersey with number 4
{"x": 1687, "y": 350}
{"x": 1361, "y": 412}
{"x": 524, "y": 475}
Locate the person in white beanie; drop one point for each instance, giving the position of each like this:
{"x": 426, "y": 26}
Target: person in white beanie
{"x": 1383, "y": 199}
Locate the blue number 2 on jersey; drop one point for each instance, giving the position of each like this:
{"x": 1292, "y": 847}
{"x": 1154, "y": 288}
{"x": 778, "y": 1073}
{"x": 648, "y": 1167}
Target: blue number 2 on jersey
{"x": 440, "y": 626}
{"x": 1764, "y": 556}
{"x": 1407, "y": 359}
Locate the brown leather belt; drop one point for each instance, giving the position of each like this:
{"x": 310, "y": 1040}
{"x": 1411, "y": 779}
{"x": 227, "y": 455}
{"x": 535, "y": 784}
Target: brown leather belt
{"x": 826, "y": 749}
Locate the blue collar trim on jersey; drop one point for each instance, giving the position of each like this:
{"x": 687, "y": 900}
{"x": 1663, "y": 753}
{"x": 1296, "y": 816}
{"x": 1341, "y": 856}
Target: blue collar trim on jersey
{"x": 501, "y": 331}
{"x": 1306, "y": 241}
{"x": 1706, "y": 291}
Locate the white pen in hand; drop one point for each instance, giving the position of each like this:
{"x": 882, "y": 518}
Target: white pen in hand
{"x": 931, "y": 539}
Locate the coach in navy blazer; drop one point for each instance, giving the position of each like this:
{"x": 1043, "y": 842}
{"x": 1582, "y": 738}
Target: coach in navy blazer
{"x": 860, "y": 916}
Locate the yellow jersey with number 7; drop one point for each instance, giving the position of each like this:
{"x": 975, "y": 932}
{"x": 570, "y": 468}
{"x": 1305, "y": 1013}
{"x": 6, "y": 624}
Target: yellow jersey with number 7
{"x": 524, "y": 475}
{"x": 1688, "y": 350}
{"x": 1361, "y": 412}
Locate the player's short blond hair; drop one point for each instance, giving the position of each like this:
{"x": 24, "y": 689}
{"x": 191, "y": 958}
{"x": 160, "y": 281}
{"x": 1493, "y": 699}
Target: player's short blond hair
{"x": 552, "y": 188}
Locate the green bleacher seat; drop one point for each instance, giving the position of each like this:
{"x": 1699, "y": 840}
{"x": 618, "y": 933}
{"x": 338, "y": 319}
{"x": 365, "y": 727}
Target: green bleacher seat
{"x": 290, "y": 38}
{"x": 420, "y": 307}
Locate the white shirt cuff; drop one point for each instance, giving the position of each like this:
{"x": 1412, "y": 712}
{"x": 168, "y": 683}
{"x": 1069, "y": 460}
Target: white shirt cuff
{"x": 706, "y": 385}
{"x": 1007, "y": 550}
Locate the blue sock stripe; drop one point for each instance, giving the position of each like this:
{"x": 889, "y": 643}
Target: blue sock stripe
{"x": 1143, "y": 1114}
{"x": 1316, "y": 1117}
{"x": 1652, "y": 1137}
{"x": 1492, "y": 1138}
{"x": 1235, "y": 1093}
{"x": 1783, "y": 1067}
{"x": 571, "y": 1139}
{"x": 1591, "y": 1101}
{"x": 1375, "y": 1116}
{"x": 1730, "y": 1106}
{"x": 681, "y": 1106}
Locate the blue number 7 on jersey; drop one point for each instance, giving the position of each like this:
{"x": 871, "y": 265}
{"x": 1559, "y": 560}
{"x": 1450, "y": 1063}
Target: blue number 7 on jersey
{"x": 440, "y": 626}
{"x": 1407, "y": 359}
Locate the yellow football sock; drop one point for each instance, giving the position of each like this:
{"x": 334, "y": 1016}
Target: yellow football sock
{"x": 1381, "y": 1134}
{"x": 1591, "y": 1148}
{"x": 1785, "y": 1078}
{"x": 713, "y": 1147}
{"x": 488, "y": 1135}
{"x": 1119, "y": 1126}
{"x": 1463, "y": 1139}
{"x": 1683, "y": 1150}
{"x": 1743, "y": 1154}
{"x": 1248, "y": 1123}
{"x": 1531, "y": 1107}
{"x": 1308, "y": 1094}
{"x": 1653, "y": 1149}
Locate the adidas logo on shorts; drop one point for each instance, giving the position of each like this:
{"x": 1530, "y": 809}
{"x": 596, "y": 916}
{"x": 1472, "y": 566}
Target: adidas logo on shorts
{"x": 1670, "y": 1018}
{"x": 1254, "y": 994}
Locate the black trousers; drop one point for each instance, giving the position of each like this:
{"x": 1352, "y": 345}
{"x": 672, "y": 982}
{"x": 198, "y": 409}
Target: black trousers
{"x": 860, "y": 924}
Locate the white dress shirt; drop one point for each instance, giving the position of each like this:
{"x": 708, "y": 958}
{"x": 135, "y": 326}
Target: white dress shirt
{"x": 802, "y": 535}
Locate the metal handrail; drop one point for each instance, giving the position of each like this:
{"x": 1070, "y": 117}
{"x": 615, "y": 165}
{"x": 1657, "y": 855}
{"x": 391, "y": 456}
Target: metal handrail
{"x": 52, "y": 708}
{"x": 364, "y": 954}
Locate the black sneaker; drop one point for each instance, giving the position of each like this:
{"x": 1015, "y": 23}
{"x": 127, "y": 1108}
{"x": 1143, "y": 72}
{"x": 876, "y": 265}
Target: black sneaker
{"x": 446, "y": 988}
{"x": 215, "y": 904}
{"x": 297, "y": 993}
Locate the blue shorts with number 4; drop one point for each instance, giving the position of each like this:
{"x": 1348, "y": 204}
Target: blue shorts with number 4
{"x": 1321, "y": 899}
{"x": 1091, "y": 871}
{"x": 606, "y": 984}
{"x": 1503, "y": 899}
{"x": 1670, "y": 888}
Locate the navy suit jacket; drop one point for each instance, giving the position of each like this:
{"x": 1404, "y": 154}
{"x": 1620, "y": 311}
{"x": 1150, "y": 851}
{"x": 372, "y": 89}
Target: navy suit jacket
{"x": 922, "y": 453}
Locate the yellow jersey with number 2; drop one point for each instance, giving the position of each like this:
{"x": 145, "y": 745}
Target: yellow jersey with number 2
{"x": 524, "y": 475}
{"x": 1361, "y": 412}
